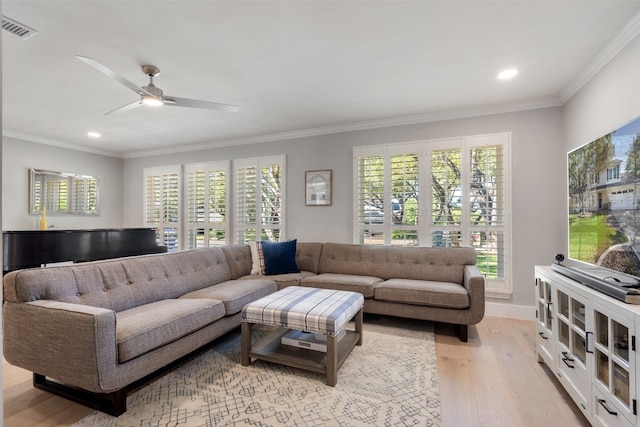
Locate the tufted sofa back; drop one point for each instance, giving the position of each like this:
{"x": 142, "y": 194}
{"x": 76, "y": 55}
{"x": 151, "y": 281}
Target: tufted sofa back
{"x": 308, "y": 256}
{"x": 122, "y": 283}
{"x": 239, "y": 257}
{"x": 400, "y": 262}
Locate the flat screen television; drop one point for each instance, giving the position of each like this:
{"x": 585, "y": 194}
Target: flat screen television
{"x": 604, "y": 205}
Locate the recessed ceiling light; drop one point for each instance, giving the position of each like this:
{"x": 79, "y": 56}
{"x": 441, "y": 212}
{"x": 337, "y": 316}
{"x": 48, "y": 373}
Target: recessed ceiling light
{"x": 508, "y": 74}
{"x": 94, "y": 134}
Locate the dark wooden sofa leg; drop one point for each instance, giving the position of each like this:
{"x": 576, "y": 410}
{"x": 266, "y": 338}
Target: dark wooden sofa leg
{"x": 114, "y": 403}
{"x": 463, "y": 332}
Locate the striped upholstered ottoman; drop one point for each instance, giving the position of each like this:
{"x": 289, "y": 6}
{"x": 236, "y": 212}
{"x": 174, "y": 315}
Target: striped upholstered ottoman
{"x": 322, "y": 314}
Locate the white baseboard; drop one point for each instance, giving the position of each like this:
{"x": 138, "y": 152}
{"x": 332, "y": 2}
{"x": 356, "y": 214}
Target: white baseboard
{"x": 523, "y": 312}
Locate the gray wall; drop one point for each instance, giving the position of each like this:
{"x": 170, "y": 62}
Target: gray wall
{"x": 19, "y": 156}
{"x": 538, "y": 181}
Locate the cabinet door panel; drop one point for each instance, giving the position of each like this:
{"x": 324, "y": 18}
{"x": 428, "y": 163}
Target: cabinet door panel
{"x": 614, "y": 376}
{"x": 571, "y": 347}
{"x": 544, "y": 325}
{"x": 605, "y": 413}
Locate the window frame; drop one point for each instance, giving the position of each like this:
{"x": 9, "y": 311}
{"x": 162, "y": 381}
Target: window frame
{"x": 162, "y": 226}
{"x": 259, "y": 224}
{"x": 387, "y": 227}
{"x": 207, "y": 225}
{"x": 495, "y": 287}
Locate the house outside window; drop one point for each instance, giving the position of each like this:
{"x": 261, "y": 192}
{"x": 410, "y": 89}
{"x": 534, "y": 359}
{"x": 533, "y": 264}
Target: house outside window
{"x": 439, "y": 193}
{"x": 613, "y": 173}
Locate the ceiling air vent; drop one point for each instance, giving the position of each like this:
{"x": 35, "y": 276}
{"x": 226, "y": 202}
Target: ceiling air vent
{"x": 17, "y": 28}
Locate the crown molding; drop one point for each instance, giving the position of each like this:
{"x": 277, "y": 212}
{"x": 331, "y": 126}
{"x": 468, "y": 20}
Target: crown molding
{"x": 48, "y": 141}
{"x": 358, "y": 126}
{"x": 628, "y": 33}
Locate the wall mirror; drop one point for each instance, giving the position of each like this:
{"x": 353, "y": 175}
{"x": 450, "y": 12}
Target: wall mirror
{"x": 63, "y": 193}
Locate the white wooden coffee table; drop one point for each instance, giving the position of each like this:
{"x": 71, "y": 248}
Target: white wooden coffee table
{"x": 321, "y": 311}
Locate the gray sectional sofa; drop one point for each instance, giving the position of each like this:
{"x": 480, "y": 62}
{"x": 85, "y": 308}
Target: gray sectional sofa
{"x": 439, "y": 284}
{"x": 91, "y": 331}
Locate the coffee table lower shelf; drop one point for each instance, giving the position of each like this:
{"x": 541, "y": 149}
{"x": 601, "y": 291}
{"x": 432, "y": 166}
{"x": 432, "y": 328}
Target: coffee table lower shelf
{"x": 270, "y": 349}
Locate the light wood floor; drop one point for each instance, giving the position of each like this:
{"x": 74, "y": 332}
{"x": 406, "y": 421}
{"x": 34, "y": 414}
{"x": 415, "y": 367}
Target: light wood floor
{"x": 493, "y": 380}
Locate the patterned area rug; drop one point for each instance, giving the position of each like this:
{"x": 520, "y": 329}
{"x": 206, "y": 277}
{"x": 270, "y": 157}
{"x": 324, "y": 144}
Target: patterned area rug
{"x": 391, "y": 380}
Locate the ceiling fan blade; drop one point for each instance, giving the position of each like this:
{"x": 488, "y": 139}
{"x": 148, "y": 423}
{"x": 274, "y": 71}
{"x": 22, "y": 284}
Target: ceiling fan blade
{"x": 127, "y": 107}
{"x": 194, "y": 103}
{"x": 112, "y": 74}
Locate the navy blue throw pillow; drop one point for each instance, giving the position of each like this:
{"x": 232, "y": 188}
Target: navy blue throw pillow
{"x": 280, "y": 257}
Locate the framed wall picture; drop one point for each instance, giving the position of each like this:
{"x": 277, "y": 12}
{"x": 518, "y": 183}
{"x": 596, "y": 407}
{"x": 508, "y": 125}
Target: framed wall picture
{"x": 318, "y": 187}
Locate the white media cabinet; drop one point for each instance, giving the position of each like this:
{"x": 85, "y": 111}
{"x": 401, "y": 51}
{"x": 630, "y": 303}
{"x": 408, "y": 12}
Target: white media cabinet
{"x": 588, "y": 340}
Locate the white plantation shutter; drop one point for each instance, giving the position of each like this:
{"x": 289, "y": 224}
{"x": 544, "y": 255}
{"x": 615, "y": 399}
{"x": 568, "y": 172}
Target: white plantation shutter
{"x": 486, "y": 186}
{"x": 152, "y": 198}
{"x": 370, "y": 185}
{"x": 386, "y": 197}
{"x": 206, "y": 201}
{"x": 260, "y": 197}
{"x": 246, "y": 204}
{"x": 463, "y": 184}
{"x": 446, "y": 193}
{"x": 488, "y": 206}
{"x": 271, "y": 200}
{"x": 403, "y": 205}
{"x": 162, "y": 204}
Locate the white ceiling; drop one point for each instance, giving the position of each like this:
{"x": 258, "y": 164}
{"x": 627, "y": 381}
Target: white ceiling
{"x": 294, "y": 67}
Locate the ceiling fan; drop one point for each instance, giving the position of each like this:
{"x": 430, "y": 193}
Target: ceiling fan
{"x": 151, "y": 94}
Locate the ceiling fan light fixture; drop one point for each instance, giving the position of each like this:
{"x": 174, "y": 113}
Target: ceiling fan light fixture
{"x": 153, "y": 95}
{"x": 152, "y": 101}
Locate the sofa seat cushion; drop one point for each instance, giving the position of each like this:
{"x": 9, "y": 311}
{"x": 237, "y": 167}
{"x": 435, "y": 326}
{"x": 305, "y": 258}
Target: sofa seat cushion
{"x": 235, "y": 294}
{"x": 423, "y": 292}
{"x": 283, "y": 280}
{"x": 343, "y": 282}
{"x": 150, "y": 326}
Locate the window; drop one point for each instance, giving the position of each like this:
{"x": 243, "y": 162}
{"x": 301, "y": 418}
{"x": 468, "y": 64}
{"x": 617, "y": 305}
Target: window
{"x": 162, "y": 204}
{"x": 197, "y": 215}
{"x": 370, "y": 178}
{"x": 613, "y": 173}
{"x": 387, "y": 196}
{"x": 260, "y": 198}
{"x": 487, "y": 207}
{"x": 463, "y": 182}
{"x": 207, "y": 200}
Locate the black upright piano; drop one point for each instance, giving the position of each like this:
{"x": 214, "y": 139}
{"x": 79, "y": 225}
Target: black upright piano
{"x": 25, "y": 249}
